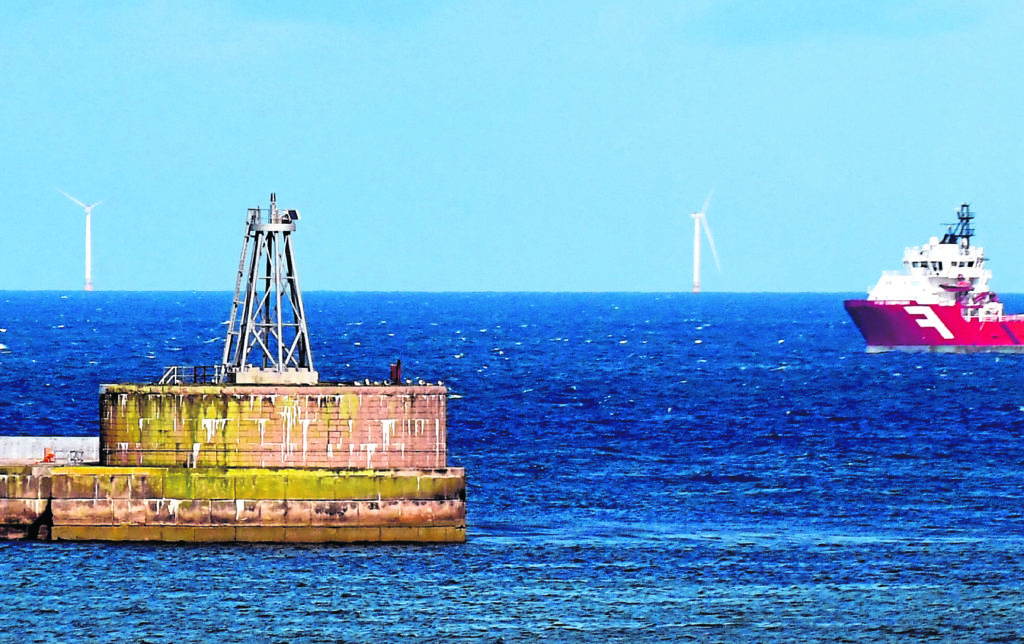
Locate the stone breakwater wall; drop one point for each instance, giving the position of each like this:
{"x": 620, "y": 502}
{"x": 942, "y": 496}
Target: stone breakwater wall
{"x": 218, "y": 504}
{"x": 329, "y": 426}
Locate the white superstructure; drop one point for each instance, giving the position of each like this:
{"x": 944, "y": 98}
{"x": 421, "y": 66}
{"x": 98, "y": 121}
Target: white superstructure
{"x": 945, "y": 272}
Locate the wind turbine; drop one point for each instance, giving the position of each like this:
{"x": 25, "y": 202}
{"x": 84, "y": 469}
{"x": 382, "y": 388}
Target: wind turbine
{"x": 700, "y": 219}
{"x": 88, "y": 235}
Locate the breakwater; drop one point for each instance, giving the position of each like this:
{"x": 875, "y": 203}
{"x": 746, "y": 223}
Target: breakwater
{"x": 281, "y": 463}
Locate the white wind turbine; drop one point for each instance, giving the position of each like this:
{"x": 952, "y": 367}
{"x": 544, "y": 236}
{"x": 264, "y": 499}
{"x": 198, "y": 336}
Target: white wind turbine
{"x": 700, "y": 219}
{"x": 88, "y": 235}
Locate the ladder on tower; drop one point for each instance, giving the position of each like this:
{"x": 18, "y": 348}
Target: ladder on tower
{"x": 233, "y": 333}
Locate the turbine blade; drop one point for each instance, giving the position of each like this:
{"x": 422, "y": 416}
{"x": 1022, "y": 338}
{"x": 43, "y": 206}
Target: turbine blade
{"x": 707, "y": 202}
{"x": 72, "y": 198}
{"x": 711, "y": 242}
{"x": 93, "y": 205}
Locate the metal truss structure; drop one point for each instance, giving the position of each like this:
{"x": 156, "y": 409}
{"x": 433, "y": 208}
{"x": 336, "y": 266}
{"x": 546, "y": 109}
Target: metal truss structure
{"x": 267, "y": 340}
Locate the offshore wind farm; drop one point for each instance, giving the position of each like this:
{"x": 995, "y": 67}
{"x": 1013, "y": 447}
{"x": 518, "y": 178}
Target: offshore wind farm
{"x": 495, "y": 196}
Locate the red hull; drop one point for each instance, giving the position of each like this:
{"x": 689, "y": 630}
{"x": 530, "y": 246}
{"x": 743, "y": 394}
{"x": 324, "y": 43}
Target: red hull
{"x": 894, "y": 325}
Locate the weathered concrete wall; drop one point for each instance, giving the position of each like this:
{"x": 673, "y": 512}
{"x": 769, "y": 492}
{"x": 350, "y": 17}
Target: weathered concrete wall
{"x": 274, "y": 426}
{"x": 66, "y": 449}
{"x": 216, "y": 504}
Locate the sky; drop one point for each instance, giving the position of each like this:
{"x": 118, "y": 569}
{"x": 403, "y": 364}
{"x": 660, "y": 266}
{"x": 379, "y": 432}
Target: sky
{"x": 509, "y": 145}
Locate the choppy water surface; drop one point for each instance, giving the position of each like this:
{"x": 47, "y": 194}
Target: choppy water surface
{"x": 641, "y": 467}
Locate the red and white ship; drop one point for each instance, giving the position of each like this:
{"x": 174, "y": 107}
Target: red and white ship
{"x": 941, "y": 302}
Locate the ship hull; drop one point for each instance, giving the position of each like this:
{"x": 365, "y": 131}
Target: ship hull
{"x": 909, "y": 326}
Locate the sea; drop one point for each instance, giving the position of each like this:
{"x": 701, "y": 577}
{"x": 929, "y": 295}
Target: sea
{"x": 641, "y": 467}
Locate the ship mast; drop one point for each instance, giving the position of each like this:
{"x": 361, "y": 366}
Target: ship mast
{"x": 963, "y": 229}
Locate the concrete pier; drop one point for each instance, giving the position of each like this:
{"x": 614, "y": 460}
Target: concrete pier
{"x": 252, "y": 449}
{"x": 281, "y": 463}
{"x": 99, "y": 503}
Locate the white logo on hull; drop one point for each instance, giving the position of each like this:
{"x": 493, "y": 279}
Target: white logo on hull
{"x": 929, "y": 320}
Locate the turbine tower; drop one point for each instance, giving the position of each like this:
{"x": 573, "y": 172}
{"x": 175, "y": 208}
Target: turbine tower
{"x": 700, "y": 219}
{"x": 88, "y": 236}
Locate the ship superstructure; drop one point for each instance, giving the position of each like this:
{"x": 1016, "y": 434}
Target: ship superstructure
{"x": 940, "y": 301}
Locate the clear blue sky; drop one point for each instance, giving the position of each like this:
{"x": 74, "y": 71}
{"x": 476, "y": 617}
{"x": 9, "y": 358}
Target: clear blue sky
{"x": 543, "y": 146}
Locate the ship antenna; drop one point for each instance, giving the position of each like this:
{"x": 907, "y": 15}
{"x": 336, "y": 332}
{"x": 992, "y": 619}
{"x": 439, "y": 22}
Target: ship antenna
{"x": 964, "y": 217}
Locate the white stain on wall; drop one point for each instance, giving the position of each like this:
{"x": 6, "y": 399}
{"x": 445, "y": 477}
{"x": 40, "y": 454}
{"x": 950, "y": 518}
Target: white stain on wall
{"x": 387, "y": 427}
{"x": 212, "y": 426}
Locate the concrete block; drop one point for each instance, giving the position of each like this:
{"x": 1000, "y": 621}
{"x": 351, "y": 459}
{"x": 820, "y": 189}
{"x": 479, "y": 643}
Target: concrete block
{"x": 193, "y": 512}
{"x": 450, "y": 512}
{"x": 213, "y": 485}
{"x": 309, "y": 484}
{"x": 112, "y": 486}
{"x": 355, "y": 485}
{"x": 264, "y": 533}
{"x": 380, "y": 513}
{"x": 353, "y": 534}
{"x": 217, "y": 534}
{"x": 45, "y": 486}
{"x": 147, "y": 485}
{"x": 298, "y": 513}
{"x": 82, "y": 511}
{"x": 23, "y": 486}
{"x": 273, "y": 512}
{"x": 334, "y": 513}
{"x": 454, "y": 484}
{"x": 234, "y": 512}
{"x": 21, "y": 511}
{"x": 177, "y": 533}
{"x": 72, "y": 484}
{"x": 247, "y": 512}
{"x": 311, "y": 534}
{"x": 146, "y": 533}
{"x": 398, "y": 486}
{"x": 129, "y": 512}
{"x": 260, "y": 484}
{"x": 91, "y": 533}
{"x": 441, "y": 534}
{"x": 417, "y": 512}
{"x": 178, "y": 484}
{"x": 13, "y": 532}
{"x": 70, "y": 532}
{"x": 161, "y": 512}
{"x": 399, "y": 534}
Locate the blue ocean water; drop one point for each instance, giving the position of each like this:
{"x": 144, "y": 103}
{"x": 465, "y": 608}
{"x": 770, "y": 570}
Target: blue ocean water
{"x": 642, "y": 467}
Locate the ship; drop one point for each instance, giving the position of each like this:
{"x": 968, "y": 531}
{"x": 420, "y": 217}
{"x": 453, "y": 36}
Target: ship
{"x": 940, "y": 301}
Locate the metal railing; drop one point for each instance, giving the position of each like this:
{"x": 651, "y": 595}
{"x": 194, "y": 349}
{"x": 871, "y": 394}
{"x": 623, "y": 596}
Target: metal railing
{"x": 182, "y": 374}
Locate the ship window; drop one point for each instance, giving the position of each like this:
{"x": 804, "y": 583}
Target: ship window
{"x": 915, "y": 264}
{"x": 970, "y": 264}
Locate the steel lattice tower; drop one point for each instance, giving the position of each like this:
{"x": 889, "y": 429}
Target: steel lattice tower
{"x": 267, "y": 338}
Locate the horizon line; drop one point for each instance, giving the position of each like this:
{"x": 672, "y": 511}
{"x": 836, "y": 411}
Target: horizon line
{"x": 686, "y": 292}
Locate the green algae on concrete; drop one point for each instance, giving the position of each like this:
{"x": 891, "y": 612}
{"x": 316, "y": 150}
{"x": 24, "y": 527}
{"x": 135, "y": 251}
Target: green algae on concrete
{"x": 229, "y": 504}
